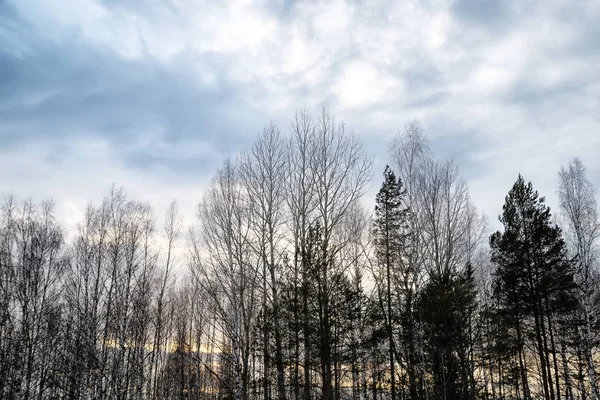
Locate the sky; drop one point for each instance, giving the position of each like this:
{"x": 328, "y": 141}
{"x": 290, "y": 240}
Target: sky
{"x": 154, "y": 95}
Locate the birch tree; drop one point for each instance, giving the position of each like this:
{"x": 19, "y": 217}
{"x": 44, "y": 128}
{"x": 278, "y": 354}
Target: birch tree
{"x": 263, "y": 174}
{"x": 228, "y": 273}
{"x": 579, "y": 212}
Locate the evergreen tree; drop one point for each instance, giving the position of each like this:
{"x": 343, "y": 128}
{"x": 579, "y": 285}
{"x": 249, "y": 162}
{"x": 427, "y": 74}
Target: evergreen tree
{"x": 390, "y": 228}
{"x": 447, "y": 305}
{"x": 532, "y": 273}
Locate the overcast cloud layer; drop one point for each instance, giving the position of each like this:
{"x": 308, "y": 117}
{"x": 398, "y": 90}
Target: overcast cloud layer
{"x": 153, "y": 95}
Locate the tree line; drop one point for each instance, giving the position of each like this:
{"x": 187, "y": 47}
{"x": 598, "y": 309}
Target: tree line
{"x": 287, "y": 287}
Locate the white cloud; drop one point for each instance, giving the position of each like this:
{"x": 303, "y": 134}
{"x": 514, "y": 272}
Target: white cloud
{"x": 361, "y": 84}
{"x": 86, "y": 175}
{"x": 523, "y": 88}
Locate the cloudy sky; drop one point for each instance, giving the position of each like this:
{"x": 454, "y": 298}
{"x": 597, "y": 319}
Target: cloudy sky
{"x": 153, "y": 95}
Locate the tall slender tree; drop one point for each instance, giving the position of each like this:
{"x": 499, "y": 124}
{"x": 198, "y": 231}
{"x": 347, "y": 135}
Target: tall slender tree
{"x": 390, "y": 240}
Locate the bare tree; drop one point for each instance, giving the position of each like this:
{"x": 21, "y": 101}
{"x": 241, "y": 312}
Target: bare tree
{"x": 227, "y": 271}
{"x": 301, "y": 205}
{"x": 443, "y": 200}
{"x": 445, "y": 233}
{"x": 263, "y": 175}
{"x": 341, "y": 172}
{"x": 172, "y": 232}
{"x": 33, "y": 262}
{"x": 582, "y": 227}
{"x": 409, "y": 151}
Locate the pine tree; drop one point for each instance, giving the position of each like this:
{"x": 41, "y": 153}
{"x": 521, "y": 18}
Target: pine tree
{"x": 532, "y": 272}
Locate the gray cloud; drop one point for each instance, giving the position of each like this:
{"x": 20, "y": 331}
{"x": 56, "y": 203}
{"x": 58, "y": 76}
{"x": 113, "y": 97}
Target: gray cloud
{"x": 156, "y": 94}
{"x": 491, "y": 14}
{"x": 60, "y": 90}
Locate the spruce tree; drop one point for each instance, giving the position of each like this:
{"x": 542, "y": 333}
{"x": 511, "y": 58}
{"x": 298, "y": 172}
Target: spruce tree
{"x": 390, "y": 228}
{"x": 447, "y": 305}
